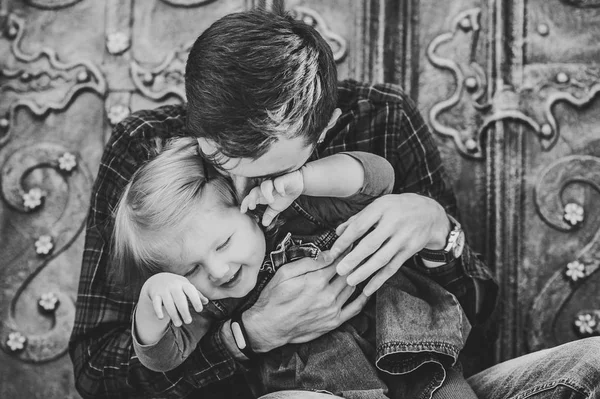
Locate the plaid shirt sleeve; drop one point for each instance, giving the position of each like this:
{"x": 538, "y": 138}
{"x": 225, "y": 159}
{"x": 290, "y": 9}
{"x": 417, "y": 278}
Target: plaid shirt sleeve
{"x": 382, "y": 120}
{"x": 101, "y": 346}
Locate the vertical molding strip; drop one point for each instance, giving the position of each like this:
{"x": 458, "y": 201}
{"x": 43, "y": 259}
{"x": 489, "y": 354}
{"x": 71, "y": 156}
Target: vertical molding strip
{"x": 505, "y": 175}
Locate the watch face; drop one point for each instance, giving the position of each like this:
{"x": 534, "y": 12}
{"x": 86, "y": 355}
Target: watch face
{"x": 459, "y": 245}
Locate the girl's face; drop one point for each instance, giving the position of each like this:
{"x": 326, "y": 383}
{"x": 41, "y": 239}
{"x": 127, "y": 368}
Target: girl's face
{"x": 218, "y": 248}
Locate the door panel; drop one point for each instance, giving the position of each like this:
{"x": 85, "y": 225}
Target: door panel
{"x": 508, "y": 88}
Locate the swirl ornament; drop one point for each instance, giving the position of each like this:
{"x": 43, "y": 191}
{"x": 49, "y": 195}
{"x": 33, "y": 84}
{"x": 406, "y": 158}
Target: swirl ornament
{"x": 310, "y": 17}
{"x": 582, "y": 169}
{"x": 166, "y": 79}
{"x": 472, "y": 108}
{"x": 52, "y": 239}
{"x": 40, "y": 82}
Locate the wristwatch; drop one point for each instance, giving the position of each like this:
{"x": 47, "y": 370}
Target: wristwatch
{"x": 455, "y": 243}
{"x": 240, "y": 336}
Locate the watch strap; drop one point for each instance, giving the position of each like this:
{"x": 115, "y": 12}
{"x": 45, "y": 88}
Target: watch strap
{"x": 240, "y": 336}
{"x": 442, "y": 255}
{"x": 439, "y": 255}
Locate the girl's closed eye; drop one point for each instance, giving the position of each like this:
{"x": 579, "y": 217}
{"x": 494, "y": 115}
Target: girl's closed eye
{"x": 224, "y": 244}
{"x": 192, "y": 271}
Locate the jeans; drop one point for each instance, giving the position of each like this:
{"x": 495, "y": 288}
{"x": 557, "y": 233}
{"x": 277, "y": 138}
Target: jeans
{"x": 400, "y": 346}
{"x": 570, "y": 370}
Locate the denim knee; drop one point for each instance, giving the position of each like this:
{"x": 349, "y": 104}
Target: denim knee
{"x": 298, "y": 395}
{"x": 570, "y": 370}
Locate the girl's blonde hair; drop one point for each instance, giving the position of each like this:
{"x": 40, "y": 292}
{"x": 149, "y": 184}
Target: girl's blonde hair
{"x": 159, "y": 196}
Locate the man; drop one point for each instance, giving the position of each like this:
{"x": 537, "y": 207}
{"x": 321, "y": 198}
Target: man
{"x": 263, "y": 99}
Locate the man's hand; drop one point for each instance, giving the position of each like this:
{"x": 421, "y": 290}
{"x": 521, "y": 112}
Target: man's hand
{"x": 304, "y": 300}
{"x": 277, "y": 193}
{"x": 395, "y": 227}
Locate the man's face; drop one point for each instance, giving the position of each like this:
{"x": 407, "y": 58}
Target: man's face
{"x": 284, "y": 156}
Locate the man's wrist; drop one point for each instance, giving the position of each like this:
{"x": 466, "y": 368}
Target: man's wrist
{"x": 440, "y": 232}
{"x": 255, "y": 332}
{"x": 229, "y": 342}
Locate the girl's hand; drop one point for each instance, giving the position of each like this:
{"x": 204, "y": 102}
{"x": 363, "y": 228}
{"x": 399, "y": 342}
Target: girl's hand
{"x": 277, "y": 193}
{"x": 172, "y": 292}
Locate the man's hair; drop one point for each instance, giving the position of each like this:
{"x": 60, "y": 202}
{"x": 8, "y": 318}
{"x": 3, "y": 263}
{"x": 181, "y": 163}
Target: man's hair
{"x": 255, "y": 76}
{"x": 157, "y": 200}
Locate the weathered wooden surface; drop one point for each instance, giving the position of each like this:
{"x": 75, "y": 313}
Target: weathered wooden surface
{"x": 509, "y": 88}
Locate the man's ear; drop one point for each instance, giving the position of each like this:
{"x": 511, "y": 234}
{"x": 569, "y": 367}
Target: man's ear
{"x": 332, "y": 121}
{"x": 206, "y": 146}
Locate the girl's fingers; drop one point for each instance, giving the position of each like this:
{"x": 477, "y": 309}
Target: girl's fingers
{"x": 194, "y": 296}
{"x": 157, "y": 305}
{"x": 171, "y": 310}
{"x": 279, "y": 185}
{"x": 267, "y": 190}
{"x": 181, "y": 303}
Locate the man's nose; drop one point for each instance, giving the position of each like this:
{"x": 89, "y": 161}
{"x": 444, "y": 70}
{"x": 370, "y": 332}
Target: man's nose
{"x": 242, "y": 185}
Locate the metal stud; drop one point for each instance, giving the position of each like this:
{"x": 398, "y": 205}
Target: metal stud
{"x": 471, "y": 145}
{"x": 543, "y": 29}
{"x": 465, "y": 24}
{"x": 471, "y": 83}
{"x": 562, "y": 77}
{"x": 546, "y": 130}
{"x": 82, "y": 76}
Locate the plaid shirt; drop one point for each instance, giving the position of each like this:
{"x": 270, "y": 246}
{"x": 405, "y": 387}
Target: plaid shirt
{"x": 378, "y": 119}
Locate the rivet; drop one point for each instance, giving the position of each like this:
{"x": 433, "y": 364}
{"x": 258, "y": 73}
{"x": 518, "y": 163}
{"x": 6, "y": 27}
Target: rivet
{"x": 82, "y": 76}
{"x": 4, "y": 123}
{"x": 12, "y": 32}
{"x": 471, "y": 83}
{"x": 471, "y": 145}
{"x": 546, "y": 130}
{"x": 562, "y": 77}
{"x": 543, "y": 29}
{"x": 148, "y": 78}
{"x": 465, "y": 24}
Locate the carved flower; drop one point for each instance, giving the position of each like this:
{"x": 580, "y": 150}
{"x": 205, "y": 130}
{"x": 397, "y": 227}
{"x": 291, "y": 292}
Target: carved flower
{"x": 33, "y": 198}
{"x": 16, "y": 341}
{"x": 585, "y": 323}
{"x": 573, "y": 213}
{"x": 67, "y": 162}
{"x": 575, "y": 270}
{"x": 44, "y": 245}
{"x": 117, "y": 113}
{"x": 117, "y": 42}
{"x": 48, "y": 302}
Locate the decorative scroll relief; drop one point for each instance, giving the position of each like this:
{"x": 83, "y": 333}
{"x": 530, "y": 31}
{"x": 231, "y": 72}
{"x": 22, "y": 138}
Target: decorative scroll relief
{"x": 166, "y": 79}
{"x": 581, "y": 169}
{"x": 471, "y": 83}
{"x": 51, "y": 4}
{"x": 468, "y": 115}
{"x": 40, "y": 82}
{"x": 47, "y": 243}
{"x": 336, "y": 42}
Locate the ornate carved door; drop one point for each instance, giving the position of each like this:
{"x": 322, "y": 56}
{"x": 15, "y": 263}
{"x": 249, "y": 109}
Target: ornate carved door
{"x": 510, "y": 99}
{"x": 509, "y": 87}
{"x": 69, "y": 71}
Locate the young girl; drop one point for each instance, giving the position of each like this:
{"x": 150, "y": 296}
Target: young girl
{"x": 179, "y": 224}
